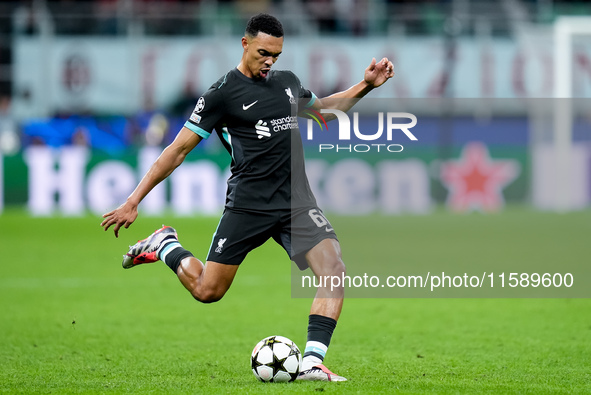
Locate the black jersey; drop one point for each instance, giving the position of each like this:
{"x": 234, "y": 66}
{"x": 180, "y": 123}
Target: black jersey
{"x": 256, "y": 121}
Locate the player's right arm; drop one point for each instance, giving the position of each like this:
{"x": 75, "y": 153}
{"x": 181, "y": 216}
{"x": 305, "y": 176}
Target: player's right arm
{"x": 170, "y": 159}
{"x": 208, "y": 111}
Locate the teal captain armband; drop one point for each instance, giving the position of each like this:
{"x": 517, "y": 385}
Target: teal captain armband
{"x": 197, "y": 130}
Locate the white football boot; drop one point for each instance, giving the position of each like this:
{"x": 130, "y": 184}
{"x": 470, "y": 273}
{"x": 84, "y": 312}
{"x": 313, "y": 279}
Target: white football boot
{"x": 319, "y": 373}
{"x": 145, "y": 251}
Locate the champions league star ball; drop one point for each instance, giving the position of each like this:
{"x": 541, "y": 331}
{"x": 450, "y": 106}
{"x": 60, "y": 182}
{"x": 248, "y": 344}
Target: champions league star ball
{"x": 276, "y": 359}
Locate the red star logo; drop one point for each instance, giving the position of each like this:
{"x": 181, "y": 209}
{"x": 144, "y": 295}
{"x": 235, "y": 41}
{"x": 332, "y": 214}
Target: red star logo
{"x": 475, "y": 181}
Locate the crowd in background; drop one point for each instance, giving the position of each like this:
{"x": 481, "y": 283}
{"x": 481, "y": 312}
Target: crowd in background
{"x": 344, "y": 17}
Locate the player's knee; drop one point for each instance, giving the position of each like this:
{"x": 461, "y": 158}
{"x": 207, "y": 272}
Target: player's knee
{"x": 334, "y": 265}
{"x": 208, "y": 295}
{"x": 329, "y": 263}
{"x": 338, "y": 267}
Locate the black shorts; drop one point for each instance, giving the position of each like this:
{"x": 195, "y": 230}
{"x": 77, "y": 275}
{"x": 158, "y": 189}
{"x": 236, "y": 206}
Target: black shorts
{"x": 241, "y": 231}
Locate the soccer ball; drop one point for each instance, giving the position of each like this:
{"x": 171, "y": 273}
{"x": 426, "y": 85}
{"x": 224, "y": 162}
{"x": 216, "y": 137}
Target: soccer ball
{"x": 276, "y": 359}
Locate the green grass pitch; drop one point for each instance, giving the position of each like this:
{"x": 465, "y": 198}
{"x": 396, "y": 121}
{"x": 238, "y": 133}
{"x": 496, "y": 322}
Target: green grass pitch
{"x": 73, "y": 321}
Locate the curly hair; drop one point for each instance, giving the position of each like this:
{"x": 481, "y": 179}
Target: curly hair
{"x": 264, "y": 23}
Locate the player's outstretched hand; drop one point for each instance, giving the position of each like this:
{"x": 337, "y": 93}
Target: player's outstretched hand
{"x": 123, "y": 215}
{"x": 379, "y": 72}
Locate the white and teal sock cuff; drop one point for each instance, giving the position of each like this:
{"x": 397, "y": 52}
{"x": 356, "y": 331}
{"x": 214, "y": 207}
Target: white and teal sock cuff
{"x": 313, "y": 355}
{"x": 316, "y": 349}
{"x": 167, "y": 248}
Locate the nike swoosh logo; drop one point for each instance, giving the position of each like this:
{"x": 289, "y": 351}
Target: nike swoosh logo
{"x": 245, "y": 107}
{"x": 328, "y": 229}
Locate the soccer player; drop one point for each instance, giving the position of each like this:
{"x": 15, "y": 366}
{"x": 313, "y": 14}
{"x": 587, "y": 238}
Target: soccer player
{"x": 253, "y": 111}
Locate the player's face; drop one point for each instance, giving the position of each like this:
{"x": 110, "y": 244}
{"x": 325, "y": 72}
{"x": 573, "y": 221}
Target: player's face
{"x": 260, "y": 53}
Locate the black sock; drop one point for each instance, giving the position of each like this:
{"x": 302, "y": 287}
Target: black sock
{"x": 175, "y": 256}
{"x": 320, "y": 330}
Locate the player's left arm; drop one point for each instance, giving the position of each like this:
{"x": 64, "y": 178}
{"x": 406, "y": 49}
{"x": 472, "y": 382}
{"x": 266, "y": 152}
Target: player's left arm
{"x": 376, "y": 74}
